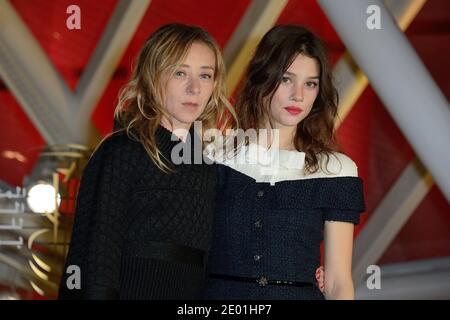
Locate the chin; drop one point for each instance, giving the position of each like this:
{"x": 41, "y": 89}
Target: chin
{"x": 187, "y": 119}
{"x": 289, "y": 122}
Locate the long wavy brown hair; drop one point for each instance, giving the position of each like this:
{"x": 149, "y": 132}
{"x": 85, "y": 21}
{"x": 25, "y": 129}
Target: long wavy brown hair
{"x": 140, "y": 108}
{"x": 315, "y": 135}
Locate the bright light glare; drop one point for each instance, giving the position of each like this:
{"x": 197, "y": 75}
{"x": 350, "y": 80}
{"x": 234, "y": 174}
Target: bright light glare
{"x": 41, "y": 198}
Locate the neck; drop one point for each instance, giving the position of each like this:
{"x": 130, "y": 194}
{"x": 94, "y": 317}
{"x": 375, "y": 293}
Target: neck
{"x": 281, "y": 137}
{"x": 181, "y": 130}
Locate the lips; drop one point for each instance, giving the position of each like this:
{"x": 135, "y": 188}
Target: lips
{"x": 294, "y": 110}
{"x": 190, "y": 104}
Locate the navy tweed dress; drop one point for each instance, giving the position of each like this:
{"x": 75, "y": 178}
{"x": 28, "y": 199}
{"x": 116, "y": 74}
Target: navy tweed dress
{"x": 269, "y": 223}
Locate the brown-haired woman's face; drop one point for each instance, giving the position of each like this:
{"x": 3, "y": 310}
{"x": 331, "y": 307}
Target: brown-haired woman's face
{"x": 188, "y": 89}
{"x": 295, "y": 96}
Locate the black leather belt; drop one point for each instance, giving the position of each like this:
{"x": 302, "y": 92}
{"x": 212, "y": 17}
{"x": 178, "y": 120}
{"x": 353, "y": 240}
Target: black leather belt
{"x": 262, "y": 281}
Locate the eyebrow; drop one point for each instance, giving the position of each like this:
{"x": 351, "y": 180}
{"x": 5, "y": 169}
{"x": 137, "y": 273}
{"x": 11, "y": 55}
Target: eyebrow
{"x": 202, "y": 67}
{"x": 294, "y": 75}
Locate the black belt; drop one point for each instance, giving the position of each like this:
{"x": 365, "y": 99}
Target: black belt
{"x": 262, "y": 281}
{"x": 169, "y": 252}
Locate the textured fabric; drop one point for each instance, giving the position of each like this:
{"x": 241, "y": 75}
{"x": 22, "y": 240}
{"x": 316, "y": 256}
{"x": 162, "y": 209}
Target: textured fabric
{"x": 126, "y": 201}
{"x": 276, "y": 230}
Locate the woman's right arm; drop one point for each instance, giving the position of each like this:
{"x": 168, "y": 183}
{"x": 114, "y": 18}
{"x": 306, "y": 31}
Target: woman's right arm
{"x": 97, "y": 237}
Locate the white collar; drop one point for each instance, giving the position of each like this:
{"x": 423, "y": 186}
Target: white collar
{"x": 271, "y": 157}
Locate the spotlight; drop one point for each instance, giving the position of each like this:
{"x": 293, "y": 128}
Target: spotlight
{"x": 41, "y": 198}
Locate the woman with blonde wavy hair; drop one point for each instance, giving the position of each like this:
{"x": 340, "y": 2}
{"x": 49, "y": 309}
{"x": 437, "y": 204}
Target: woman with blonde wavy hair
{"x": 143, "y": 220}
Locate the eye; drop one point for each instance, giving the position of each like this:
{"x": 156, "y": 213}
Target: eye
{"x": 312, "y": 84}
{"x": 179, "y": 74}
{"x": 206, "y": 76}
{"x": 285, "y": 79}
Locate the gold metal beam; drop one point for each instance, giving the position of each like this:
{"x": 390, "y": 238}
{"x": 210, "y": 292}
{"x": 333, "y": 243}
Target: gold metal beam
{"x": 269, "y": 16}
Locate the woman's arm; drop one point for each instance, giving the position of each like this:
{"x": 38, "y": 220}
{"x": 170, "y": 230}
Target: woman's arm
{"x": 97, "y": 237}
{"x": 338, "y": 281}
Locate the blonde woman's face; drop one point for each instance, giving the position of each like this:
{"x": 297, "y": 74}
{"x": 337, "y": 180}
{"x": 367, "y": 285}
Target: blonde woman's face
{"x": 188, "y": 89}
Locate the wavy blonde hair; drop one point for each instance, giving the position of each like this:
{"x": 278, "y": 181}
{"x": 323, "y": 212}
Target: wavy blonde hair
{"x": 140, "y": 108}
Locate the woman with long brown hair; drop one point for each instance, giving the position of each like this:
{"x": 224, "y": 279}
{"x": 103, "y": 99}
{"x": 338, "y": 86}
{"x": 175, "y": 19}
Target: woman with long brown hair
{"x": 279, "y": 196}
{"x": 143, "y": 219}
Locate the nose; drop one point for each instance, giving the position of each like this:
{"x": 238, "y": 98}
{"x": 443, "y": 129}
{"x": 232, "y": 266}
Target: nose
{"x": 297, "y": 94}
{"x": 193, "y": 87}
